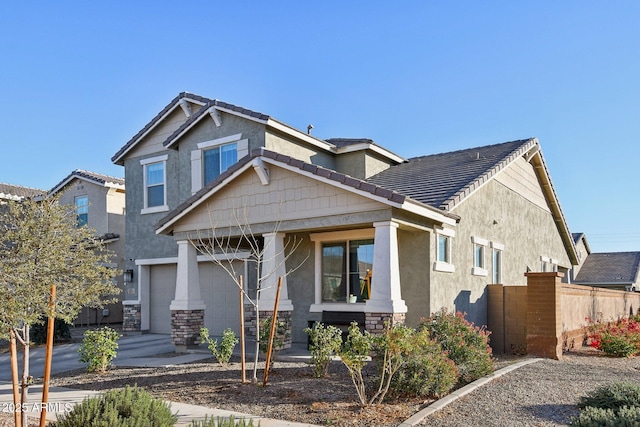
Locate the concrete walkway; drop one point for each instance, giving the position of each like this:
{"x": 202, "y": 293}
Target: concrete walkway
{"x": 133, "y": 351}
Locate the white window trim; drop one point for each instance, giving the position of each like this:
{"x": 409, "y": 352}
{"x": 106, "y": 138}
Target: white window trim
{"x": 482, "y": 270}
{"x": 334, "y": 236}
{"x": 144, "y": 163}
{"x": 552, "y": 262}
{"x": 443, "y": 266}
{"x": 496, "y": 247}
{"x": 197, "y": 168}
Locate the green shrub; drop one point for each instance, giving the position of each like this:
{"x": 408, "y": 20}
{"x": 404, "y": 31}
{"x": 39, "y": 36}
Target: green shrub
{"x": 618, "y": 345}
{"x": 279, "y": 338}
{"x": 612, "y": 396}
{"x": 99, "y": 347}
{"x": 223, "y": 422}
{"x": 467, "y": 345}
{"x": 392, "y": 350}
{"x": 326, "y": 341}
{"x": 223, "y": 351}
{"x": 427, "y": 371}
{"x": 354, "y": 354}
{"x": 128, "y": 407}
{"x": 61, "y": 332}
{"x": 598, "y": 417}
{"x": 620, "y": 338}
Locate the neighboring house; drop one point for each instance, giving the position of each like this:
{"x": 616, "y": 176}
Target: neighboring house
{"x": 18, "y": 192}
{"x": 99, "y": 202}
{"x": 434, "y": 231}
{"x": 612, "y": 270}
{"x": 583, "y": 250}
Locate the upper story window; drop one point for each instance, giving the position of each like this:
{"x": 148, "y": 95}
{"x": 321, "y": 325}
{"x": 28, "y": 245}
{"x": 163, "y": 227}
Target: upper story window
{"x": 155, "y": 184}
{"x": 444, "y": 251}
{"x": 218, "y": 159}
{"x": 479, "y": 266}
{"x": 82, "y": 210}
{"x": 212, "y": 158}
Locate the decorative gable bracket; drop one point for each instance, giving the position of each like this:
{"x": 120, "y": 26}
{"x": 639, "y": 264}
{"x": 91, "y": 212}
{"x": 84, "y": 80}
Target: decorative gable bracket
{"x": 215, "y": 115}
{"x": 261, "y": 170}
{"x": 185, "y": 107}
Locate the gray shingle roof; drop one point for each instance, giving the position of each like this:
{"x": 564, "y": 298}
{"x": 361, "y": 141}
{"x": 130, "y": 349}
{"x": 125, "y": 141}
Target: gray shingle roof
{"x": 18, "y": 192}
{"x": 610, "y": 268}
{"x": 443, "y": 180}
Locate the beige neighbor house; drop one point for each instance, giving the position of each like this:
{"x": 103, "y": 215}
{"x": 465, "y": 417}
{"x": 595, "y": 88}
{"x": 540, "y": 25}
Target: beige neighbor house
{"x": 99, "y": 202}
{"x": 434, "y": 231}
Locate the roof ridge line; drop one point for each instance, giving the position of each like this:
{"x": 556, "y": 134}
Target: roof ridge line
{"x": 476, "y": 183}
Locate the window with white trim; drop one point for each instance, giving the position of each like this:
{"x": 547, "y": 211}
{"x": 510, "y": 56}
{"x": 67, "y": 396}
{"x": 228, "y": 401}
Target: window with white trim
{"x": 212, "y": 158}
{"x": 444, "y": 256}
{"x": 82, "y": 210}
{"x": 496, "y": 262}
{"x": 346, "y": 270}
{"x": 155, "y": 184}
{"x": 343, "y": 269}
{"x": 479, "y": 266}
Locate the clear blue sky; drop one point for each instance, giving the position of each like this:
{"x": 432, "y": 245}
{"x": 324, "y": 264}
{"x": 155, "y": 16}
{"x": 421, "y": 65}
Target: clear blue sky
{"x": 79, "y": 79}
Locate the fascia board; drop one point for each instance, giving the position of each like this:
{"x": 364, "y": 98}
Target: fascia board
{"x": 300, "y": 135}
{"x": 160, "y": 120}
{"x": 427, "y": 212}
{"x": 408, "y": 204}
{"x": 375, "y": 148}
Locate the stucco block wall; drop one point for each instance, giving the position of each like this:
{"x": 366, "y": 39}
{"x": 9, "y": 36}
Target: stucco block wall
{"x": 557, "y": 314}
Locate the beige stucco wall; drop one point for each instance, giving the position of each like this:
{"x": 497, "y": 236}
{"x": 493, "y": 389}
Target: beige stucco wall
{"x": 360, "y": 164}
{"x": 284, "y": 144}
{"x": 498, "y": 214}
{"x": 413, "y": 251}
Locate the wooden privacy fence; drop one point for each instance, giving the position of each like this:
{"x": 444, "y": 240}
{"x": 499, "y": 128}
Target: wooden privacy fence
{"x": 547, "y": 316}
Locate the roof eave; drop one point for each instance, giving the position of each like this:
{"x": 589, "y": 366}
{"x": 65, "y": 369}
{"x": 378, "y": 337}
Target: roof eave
{"x": 118, "y": 159}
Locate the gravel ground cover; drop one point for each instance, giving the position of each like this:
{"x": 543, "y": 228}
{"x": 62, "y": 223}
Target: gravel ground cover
{"x": 544, "y": 393}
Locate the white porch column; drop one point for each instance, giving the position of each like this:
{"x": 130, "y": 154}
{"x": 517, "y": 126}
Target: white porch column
{"x": 385, "y": 285}
{"x": 187, "y": 295}
{"x": 273, "y": 262}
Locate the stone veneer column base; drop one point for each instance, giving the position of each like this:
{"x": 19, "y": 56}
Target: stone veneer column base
{"x": 250, "y": 322}
{"x": 185, "y": 328}
{"x": 374, "y": 322}
{"x": 131, "y": 317}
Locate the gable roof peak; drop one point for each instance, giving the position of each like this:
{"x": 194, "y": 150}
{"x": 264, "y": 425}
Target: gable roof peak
{"x": 97, "y": 178}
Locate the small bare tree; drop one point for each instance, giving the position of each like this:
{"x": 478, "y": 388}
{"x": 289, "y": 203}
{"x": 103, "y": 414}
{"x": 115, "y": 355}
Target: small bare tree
{"x": 227, "y": 244}
{"x": 41, "y": 245}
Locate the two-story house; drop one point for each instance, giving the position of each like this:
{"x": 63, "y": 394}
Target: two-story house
{"x": 99, "y": 203}
{"x": 422, "y": 233}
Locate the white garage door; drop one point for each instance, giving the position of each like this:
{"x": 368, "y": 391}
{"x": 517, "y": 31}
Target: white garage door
{"x": 221, "y": 295}
{"x": 162, "y": 290}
